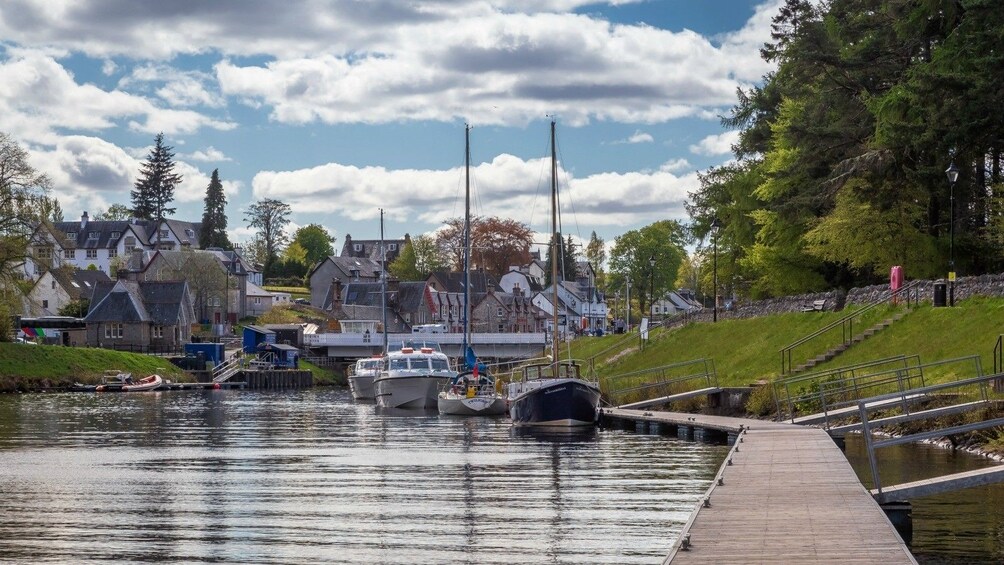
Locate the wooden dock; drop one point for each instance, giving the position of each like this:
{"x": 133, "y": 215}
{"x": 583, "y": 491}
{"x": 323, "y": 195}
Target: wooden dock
{"x": 785, "y": 494}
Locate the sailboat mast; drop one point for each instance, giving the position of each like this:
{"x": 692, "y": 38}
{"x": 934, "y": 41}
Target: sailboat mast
{"x": 467, "y": 237}
{"x": 555, "y": 249}
{"x": 383, "y": 280}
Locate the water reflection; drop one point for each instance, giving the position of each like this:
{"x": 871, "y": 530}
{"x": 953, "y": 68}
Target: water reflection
{"x": 290, "y": 477}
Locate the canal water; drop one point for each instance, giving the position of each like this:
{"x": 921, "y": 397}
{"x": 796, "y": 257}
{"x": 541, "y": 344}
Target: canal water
{"x": 311, "y": 476}
{"x": 962, "y": 527}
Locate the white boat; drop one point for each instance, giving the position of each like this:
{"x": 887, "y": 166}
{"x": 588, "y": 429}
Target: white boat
{"x": 117, "y": 381}
{"x": 411, "y": 377}
{"x": 361, "y": 377}
{"x": 471, "y": 393}
{"x": 554, "y": 394}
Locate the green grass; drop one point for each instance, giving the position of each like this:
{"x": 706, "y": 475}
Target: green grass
{"x": 294, "y": 291}
{"x": 745, "y": 351}
{"x": 52, "y": 365}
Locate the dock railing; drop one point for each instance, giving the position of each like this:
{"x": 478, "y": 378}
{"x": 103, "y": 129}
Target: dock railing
{"x": 832, "y": 398}
{"x": 972, "y": 390}
{"x": 791, "y": 392}
{"x": 666, "y": 380}
{"x": 908, "y": 294}
{"x": 228, "y": 368}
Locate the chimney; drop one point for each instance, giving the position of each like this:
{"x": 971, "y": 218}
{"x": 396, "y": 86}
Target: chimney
{"x": 83, "y": 220}
{"x": 336, "y": 293}
{"x": 393, "y": 284}
{"x": 136, "y": 260}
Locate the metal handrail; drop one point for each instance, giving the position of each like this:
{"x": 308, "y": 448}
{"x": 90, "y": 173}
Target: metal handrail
{"x": 846, "y": 323}
{"x": 874, "y": 403}
{"x": 998, "y": 352}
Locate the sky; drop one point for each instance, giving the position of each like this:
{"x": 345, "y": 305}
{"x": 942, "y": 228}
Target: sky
{"x": 342, "y": 108}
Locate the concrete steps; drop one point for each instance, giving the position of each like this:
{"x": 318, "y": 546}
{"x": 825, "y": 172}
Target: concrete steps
{"x": 840, "y": 348}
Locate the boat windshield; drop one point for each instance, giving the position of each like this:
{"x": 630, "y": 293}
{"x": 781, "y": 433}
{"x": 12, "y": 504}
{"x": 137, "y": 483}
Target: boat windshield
{"x": 399, "y": 364}
{"x": 368, "y": 364}
{"x": 440, "y": 364}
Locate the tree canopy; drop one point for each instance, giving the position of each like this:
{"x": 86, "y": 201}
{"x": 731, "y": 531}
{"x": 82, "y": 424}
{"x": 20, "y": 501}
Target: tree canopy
{"x": 270, "y": 217}
{"x": 842, "y": 149}
{"x": 214, "y": 215}
{"x": 648, "y": 259}
{"x": 496, "y": 243}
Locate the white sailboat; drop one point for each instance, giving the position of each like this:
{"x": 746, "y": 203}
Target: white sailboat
{"x": 472, "y": 392}
{"x": 554, "y": 394}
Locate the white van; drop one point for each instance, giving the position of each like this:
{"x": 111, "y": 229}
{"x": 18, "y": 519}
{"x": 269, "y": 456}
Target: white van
{"x": 430, "y": 329}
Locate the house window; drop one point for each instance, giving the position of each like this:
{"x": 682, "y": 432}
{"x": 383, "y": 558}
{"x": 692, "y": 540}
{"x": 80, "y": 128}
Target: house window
{"x": 189, "y": 232}
{"x": 92, "y": 253}
{"x": 113, "y": 331}
{"x": 501, "y": 328}
{"x": 44, "y": 253}
{"x": 113, "y": 252}
{"x": 166, "y": 246}
{"x": 72, "y": 236}
{"x": 70, "y": 253}
{"x": 357, "y": 247}
{"x": 130, "y": 243}
{"x": 116, "y": 235}
{"x": 53, "y": 285}
{"x": 45, "y": 304}
{"x": 257, "y": 300}
{"x": 500, "y": 314}
{"x": 391, "y": 247}
{"x": 163, "y": 233}
{"x": 93, "y": 235}
{"x": 158, "y": 331}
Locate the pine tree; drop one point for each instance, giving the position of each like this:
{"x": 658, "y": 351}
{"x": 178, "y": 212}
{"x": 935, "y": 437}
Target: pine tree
{"x": 214, "y": 217}
{"x": 155, "y": 185}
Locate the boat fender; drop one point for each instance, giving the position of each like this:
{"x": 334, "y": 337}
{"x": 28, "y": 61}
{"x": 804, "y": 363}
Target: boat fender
{"x": 216, "y": 386}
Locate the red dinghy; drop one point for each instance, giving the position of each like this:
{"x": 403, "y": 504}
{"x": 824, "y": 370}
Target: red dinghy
{"x": 148, "y": 383}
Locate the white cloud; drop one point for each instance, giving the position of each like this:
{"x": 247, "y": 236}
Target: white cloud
{"x": 209, "y": 155}
{"x": 675, "y": 166}
{"x": 720, "y": 144}
{"x": 637, "y": 137}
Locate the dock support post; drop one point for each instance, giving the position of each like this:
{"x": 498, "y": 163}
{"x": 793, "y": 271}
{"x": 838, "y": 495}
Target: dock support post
{"x": 685, "y": 432}
{"x": 901, "y": 516}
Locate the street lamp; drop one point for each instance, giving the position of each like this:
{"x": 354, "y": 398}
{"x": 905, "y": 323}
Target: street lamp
{"x": 715, "y": 226}
{"x": 952, "y": 172}
{"x": 651, "y": 286}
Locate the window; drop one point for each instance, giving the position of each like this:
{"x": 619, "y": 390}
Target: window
{"x": 189, "y": 232}
{"x": 163, "y": 233}
{"x": 357, "y": 247}
{"x": 257, "y": 300}
{"x": 44, "y": 253}
{"x": 72, "y": 236}
{"x": 166, "y": 246}
{"x": 93, "y": 235}
{"x": 116, "y": 235}
{"x": 113, "y": 252}
{"x": 391, "y": 247}
{"x": 53, "y": 285}
{"x": 500, "y": 313}
{"x": 70, "y": 253}
{"x": 113, "y": 331}
{"x": 45, "y": 303}
{"x": 130, "y": 243}
{"x": 92, "y": 253}
{"x": 158, "y": 331}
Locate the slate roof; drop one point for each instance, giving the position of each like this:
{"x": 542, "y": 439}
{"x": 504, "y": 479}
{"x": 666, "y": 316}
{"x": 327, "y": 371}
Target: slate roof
{"x": 79, "y": 283}
{"x": 480, "y": 281}
{"x": 159, "y": 302}
{"x": 367, "y": 268}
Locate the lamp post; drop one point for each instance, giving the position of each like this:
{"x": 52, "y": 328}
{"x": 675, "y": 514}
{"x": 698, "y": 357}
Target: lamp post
{"x": 627, "y": 304}
{"x": 715, "y": 226}
{"x": 651, "y": 287}
{"x": 952, "y": 172}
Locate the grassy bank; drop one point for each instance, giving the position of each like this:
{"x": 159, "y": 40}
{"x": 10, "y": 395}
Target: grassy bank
{"x": 31, "y": 367}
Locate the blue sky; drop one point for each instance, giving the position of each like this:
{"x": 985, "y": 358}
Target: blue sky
{"x": 340, "y": 108}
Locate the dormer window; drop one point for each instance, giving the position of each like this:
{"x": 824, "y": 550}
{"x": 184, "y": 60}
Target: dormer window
{"x": 164, "y": 233}
{"x": 190, "y": 232}
{"x": 357, "y": 247}
{"x": 391, "y": 247}
{"x": 72, "y": 236}
{"x": 116, "y": 235}
{"x": 93, "y": 235}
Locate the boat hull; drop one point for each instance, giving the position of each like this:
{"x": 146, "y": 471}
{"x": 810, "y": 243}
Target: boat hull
{"x": 409, "y": 391}
{"x": 485, "y": 405}
{"x": 361, "y": 387}
{"x": 562, "y": 402}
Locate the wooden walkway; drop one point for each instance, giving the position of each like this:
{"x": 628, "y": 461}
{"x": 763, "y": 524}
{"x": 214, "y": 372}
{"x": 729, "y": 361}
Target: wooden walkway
{"x": 785, "y": 494}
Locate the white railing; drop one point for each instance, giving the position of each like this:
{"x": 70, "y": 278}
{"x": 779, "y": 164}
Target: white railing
{"x": 228, "y": 368}
{"x": 345, "y": 339}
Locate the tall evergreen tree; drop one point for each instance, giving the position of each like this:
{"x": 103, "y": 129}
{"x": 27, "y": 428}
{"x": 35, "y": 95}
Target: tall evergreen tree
{"x": 566, "y": 263}
{"x": 156, "y": 182}
{"x": 214, "y": 216}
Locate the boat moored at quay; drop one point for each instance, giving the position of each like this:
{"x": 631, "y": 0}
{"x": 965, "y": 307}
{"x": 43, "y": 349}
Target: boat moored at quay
{"x": 411, "y": 376}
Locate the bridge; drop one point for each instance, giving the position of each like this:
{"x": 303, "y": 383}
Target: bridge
{"x": 347, "y": 346}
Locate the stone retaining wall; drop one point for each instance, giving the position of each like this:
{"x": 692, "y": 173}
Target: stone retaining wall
{"x": 965, "y": 287}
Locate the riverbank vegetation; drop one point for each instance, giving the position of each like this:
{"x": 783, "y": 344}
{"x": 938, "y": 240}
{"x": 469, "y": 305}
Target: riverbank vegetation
{"x": 25, "y": 367}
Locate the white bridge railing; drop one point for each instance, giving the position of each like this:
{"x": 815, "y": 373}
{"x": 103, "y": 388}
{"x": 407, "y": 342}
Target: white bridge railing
{"x": 354, "y": 339}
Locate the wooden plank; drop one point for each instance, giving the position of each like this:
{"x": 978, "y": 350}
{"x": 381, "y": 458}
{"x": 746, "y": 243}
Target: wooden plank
{"x": 938, "y": 485}
{"x": 670, "y": 398}
{"x": 788, "y": 495}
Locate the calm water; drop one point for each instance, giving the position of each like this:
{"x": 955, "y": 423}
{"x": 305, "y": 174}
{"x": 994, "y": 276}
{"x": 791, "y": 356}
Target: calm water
{"x": 238, "y": 476}
{"x": 963, "y": 527}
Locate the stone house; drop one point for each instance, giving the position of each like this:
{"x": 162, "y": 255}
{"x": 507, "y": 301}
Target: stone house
{"x": 370, "y": 248}
{"x": 345, "y": 269}
{"x": 140, "y": 315}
